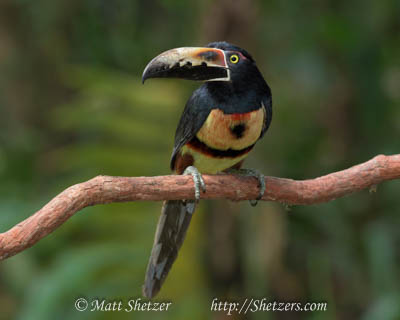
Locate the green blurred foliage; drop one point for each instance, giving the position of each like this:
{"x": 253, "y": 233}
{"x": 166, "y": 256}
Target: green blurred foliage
{"x": 72, "y": 106}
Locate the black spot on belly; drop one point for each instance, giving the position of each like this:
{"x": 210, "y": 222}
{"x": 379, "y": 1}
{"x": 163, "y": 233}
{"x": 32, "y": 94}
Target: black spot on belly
{"x": 238, "y": 130}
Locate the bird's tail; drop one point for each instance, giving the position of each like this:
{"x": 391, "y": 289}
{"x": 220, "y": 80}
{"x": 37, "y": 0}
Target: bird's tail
{"x": 171, "y": 230}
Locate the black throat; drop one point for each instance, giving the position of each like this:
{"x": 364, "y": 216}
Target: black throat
{"x": 236, "y": 96}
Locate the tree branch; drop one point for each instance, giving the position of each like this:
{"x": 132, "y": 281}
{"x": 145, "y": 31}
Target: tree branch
{"x": 105, "y": 189}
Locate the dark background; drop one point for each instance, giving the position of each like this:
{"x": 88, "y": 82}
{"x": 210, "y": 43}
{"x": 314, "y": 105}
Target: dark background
{"x": 72, "y": 106}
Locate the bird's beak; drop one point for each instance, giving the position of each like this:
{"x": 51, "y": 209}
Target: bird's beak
{"x": 191, "y": 63}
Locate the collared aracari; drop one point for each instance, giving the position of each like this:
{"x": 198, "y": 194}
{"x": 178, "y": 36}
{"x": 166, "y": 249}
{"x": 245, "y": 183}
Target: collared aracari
{"x": 220, "y": 124}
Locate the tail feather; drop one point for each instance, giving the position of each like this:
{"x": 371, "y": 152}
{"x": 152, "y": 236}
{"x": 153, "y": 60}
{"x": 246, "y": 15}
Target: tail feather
{"x": 171, "y": 230}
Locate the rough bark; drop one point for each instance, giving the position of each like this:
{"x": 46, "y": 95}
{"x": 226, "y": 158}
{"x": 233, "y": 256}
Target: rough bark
{"x": 105, "y": 189}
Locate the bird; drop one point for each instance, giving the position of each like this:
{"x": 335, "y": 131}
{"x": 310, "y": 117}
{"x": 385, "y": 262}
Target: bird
{"x": 220, "y": 124}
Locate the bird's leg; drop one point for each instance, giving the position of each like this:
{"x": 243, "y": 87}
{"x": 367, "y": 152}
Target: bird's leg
{"x": 252, "y": 173}
{"x": 197, "y": 180}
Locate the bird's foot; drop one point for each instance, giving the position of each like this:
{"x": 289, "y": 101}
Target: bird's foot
{"x": 252, "y": 173}
{"x": 197, "y": 180}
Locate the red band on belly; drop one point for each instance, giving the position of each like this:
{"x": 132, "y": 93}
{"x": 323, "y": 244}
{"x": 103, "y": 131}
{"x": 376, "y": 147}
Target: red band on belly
{"x": 199, "y": 146}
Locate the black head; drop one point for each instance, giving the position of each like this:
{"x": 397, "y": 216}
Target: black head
{"x": 244, "y": 74}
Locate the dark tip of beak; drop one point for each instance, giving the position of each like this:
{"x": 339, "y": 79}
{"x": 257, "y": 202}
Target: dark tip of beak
{"x": 145, "y": 75}
{"x": 155, "y": 70}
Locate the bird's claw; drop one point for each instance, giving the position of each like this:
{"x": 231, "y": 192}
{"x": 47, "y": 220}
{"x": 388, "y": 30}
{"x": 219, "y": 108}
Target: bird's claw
{"x": 197, "y": 180}
{"x": 256, "y": 174}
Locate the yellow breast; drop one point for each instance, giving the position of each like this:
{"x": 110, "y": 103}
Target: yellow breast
{"x": 231, "y": 131}
{"x": 224, "y": 140}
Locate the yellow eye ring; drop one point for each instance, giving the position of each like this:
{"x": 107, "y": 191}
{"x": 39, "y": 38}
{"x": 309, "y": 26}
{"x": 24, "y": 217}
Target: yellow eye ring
{"x": 234, "y": 58}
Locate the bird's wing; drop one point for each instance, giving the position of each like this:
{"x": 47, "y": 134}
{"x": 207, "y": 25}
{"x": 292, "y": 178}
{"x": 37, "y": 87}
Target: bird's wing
{"x": 193, "y": 117}
{"x": 266, "y": 104}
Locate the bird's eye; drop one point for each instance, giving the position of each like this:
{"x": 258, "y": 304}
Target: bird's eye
{"x": 234, "y": 58}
